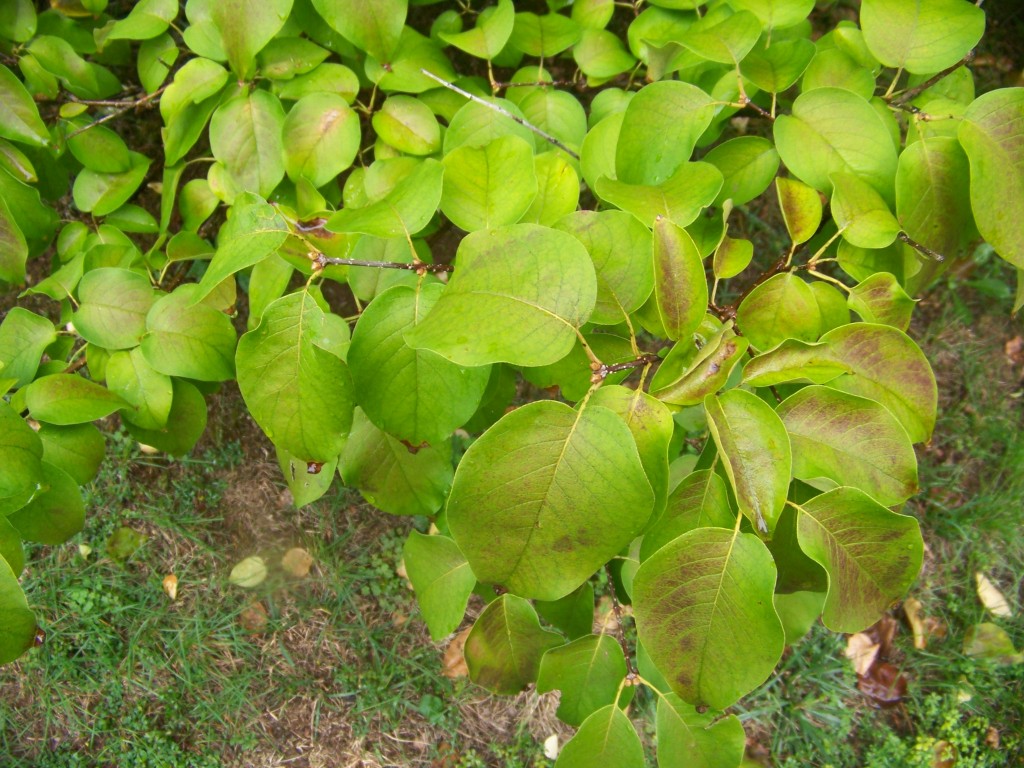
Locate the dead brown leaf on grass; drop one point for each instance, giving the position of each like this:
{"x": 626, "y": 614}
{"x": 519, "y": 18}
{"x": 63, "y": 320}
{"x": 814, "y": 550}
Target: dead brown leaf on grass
{"x": 993, "y": 600}
{"x": 861, "y": 650}
{"x": 454, "y": 663}
{"x": 297, "y": 562}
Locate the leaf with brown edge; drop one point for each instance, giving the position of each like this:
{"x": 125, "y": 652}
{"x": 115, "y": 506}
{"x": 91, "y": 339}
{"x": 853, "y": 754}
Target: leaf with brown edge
{"x": 680, "y": 286}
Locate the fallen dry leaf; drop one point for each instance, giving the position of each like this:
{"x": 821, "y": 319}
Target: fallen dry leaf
{"x": 992, "y": 737}
{"x": 171, "y": 586}
{"x": 297, "y": 562}
{"x": 249, "y": 573}
{"x": 1014, "y": 350}
{"x": 943, "y": 755}
{"x": 884, "y": 683}
{"x": 915, "y": 615}
{"x": 253, "y": 618}
{"x": 551, "y": 746}
{"x": 454, "y": 664}
{"x": 991, "y": 597}
{"x": 862, "y": 650}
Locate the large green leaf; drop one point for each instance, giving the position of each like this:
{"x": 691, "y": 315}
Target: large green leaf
{"x": 755, "y": 450}
{"x": 704, "y": 613}
{"x": 491, "y": 33}
{"x": 782, "y": 307}
{"x": 505, "y": 646}
{"x": 777, "y": 67}
{"x": 871, "y": 555}
{"x": 921, "y": 36}
{"x": 102, "y": 193}
{"x": 520, "y": 514}
{"x": 245, "y": 135}
{"x": 881, "y": 299}
{"x": 680, "y": 286}
{"x": 13, "y": 247}
{"x": 443, "y": 581}
{"x": 538, "y": 281}
{"x": 701, "y": 500}
{"x": 373, "y": 27}
{"x": 887, "y": 366}
{"x": 148, "y": 19}
{"x": 606, "y": 738}
{"x": 19, "y": 116}
{"x": 801, "y": 208}
{"x": 704, "y": 373}
{"x": 860, "y": 212}
{"x": 588, "y": 672}
{"x": 794, "y": 360}
{"x": 679, "y": 198}
{"x": 113, "y": 307}
{"x": 748, "y": 164}
{"x": 992, "y": 135}
{"x": 78, "y": 449}
{"x": 659, "y": 131}
{"x": 396, "y": 478}
{"x": 235, "y": 30}
{"x": 185, "y": 422}
{"x": 727, "y": 41}
{"x": 543, "y": 36}
{"x": 24, "y": 336}
{"x": 148, "y": 392}
{"x": 55, "y": 514}
{"x": 414, "y": 394}
{"x": 849, "y": 440}
{"x": 404, "y": 210}
{"x": 299, "y": 394}
{"x": 321, "y": 138}
{"x": 777, "y": 13}
{"x": 834, "y": 130}
{"x": 477, "y": 125}
{"x": 408, "y": 125}
{"x": 18, "y": 630}
{"x": 619, "y": 246}
{"x": 490, "y": 186}
{"x": 688, "y": 738}
{"x": 20, "y": 466}
{"x": 194, "y": 341}
{"x": 64, "y": 398}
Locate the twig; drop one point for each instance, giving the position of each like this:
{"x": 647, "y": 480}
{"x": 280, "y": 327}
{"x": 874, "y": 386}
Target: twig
{"x": 631, "y": 673}
{"x": 922, "y": 249}
{"x": 501, "y": 110}
{"x": 606, "y": 370}
{"x": 124, "y": 106}
{"x": 917, "y": 90}
{"x": 321, "y": 260}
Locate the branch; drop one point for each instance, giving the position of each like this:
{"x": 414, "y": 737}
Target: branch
{"x": 501, "y": 110}
{"x": 123, "y": 106}
{"x": 922, "y": 249}
{"x": 917, "y": 90}
{"x": 631, "y": 673}
{"x": 605, "y": 370}
{"x": 321, "y": 260}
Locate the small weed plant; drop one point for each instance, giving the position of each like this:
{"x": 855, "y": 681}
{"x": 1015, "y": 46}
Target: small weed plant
{"x": 420, "y": 214}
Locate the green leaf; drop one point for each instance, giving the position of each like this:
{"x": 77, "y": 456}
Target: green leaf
{"x": 103, "y": 193}
{"x": 991, "y": 642}
{"x": 505, "y": 646}
{"x": 18, "y": 631}
{"x": 19, "y": 116}
{"x": 755, "y": 451}
{"x": 254, "y": 230}
{"x": 113, "y": 307}
{"x": 801, "y": 208}
{"x": 24, "y": 336}
{"x": 64, "y": 398}
{"x": 11, "y": 548}
{"x": 77, "y": 449}
{"x": 921, "y": 37}
{"x": 706, "y": 373}
{"x": 881, "y": 299}
{"x": 872, "y": 555}
{"x": 245, "y": 135}
{"x": 933, "y": 194}
{"x": 490, "y": 186}
{"x": 588, "y": 672}
{"x": 156, "y": 58}
{"x": 572, "y": 614}
{"x": 185, "y": 423}
{"x": 601, "y": 55}
{"x": 861, "y": 214}
{"x": 558, "y": 190}
{"x": 413, "y": 394}
{"x": 701, "y": 500}
{"x": 332, "y": 78}
{"x": 992, "y": 135}
{"x": 194, "y": 341}
{"x": 538, "y": 280}
{"x": 443, "y": 581}
{"x": 394, "y": 477}
{"x": 727, "y": 41}
{"x": 849, "y": 440}
{"x": 408, "y": 125}
{"x": 543, "y": 36}
{"x": 374, "y": 28}
{"x": 149, "y": 393}
{"x": 404, "y": 210}
{"x": 235, "y": 30}
{"x": 521, "y": 517}
{"x": 285, "y": 57}
{"x": 748, "y": 164}
{"x": 799, "y": 611}
{"x": 21, "y": 470}
{"x": 55, "y": 514}
{"x": 13, "y": 247}
{"x": 777, "y": 13}
{"x": 680, "y": 286}
{"x": 688, "y": 738}
{"x": 477, "y": 125}
{"x": 782, "y": 307}
{"x": 620, "y": 247}
{"x": 704, "y": 613}
{"x": 834, "y": 130}
{"x": 19, "y": 24}
{"x": 659, "y": 131}
{"x": 794, "y": 360}
{"x": 652, "y": 426}
{"x": 886, "y": 366}
{"x": 299, "y": 394}
{"x": 491, "y": 33}
{"x": 148, "y": 18}
{"x": 607, "y": 738}
{"x": 732, "y": 257}
{"x": 680, "y": 198}
{"x": 776, "y": 68}
{"x": 307, "y": 482}
{"x": 321, "y": 138}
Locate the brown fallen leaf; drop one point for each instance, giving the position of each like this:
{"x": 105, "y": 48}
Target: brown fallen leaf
{"x": 1014, "y": 350}
{"x": 171, "y": 586}
{"x": 943, "y": 755}
{"x": 915, "y": 616}
{"x": 297, "y": 562}
{"x": 992, "y": 737}
{"x": 454, "y": 664}
{"x": 253, "y": 618}
{"x": 991, "y": 597}
{"x": 862, "y": 650}
{"x": 884, "y": 683}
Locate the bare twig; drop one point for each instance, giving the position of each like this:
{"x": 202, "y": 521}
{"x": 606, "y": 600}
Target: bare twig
{"x": 321, "y": 260}
{"x": 917, "y": 90}
{"x": 123, "y": 106}
{"x": 922, "y": 249}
